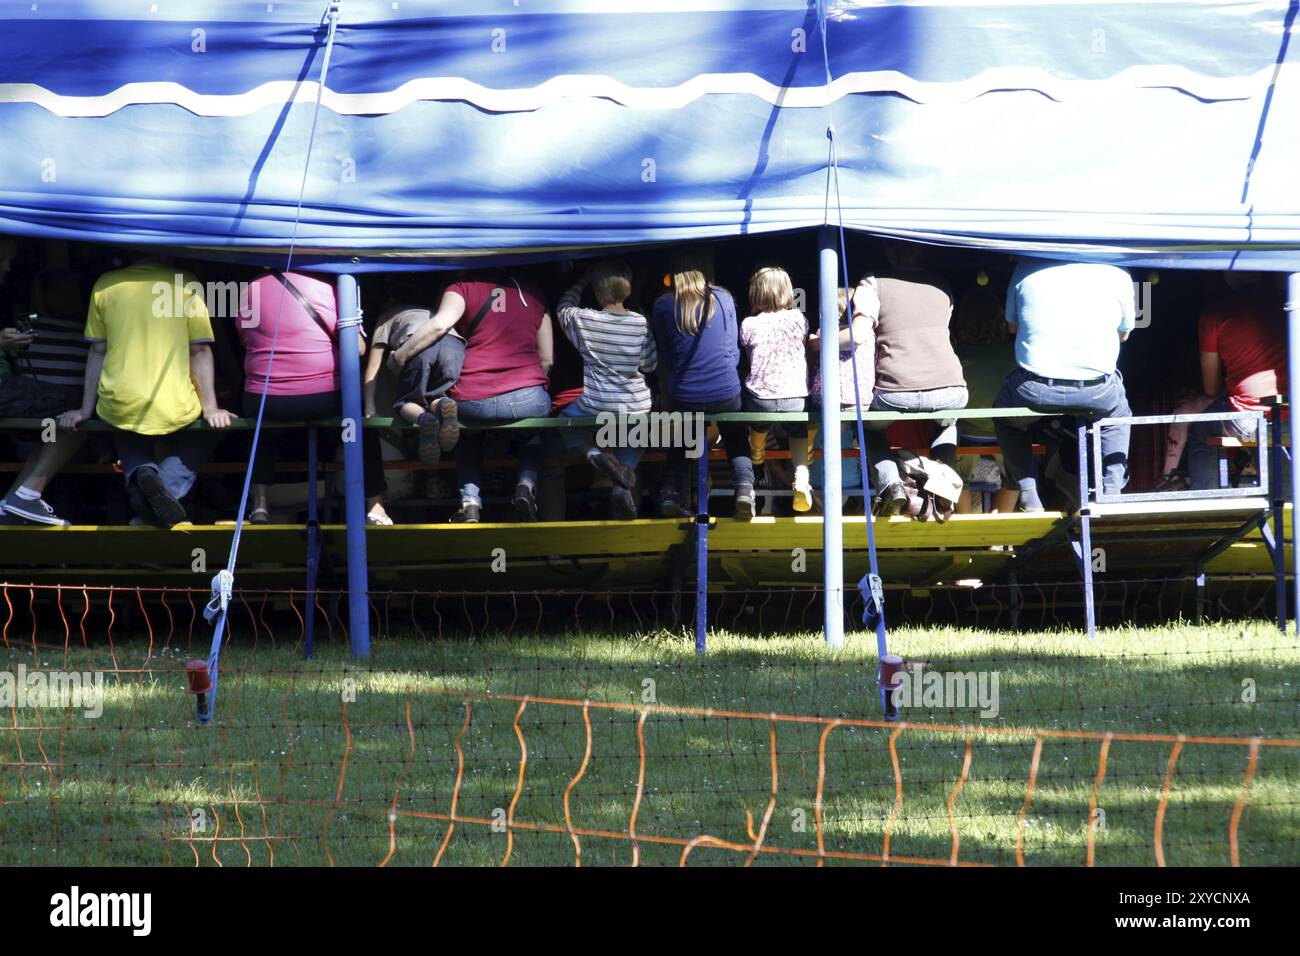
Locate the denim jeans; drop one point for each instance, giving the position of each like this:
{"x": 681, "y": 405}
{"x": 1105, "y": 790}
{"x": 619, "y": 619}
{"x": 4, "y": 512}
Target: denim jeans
{"x": 943, "y": 436}
{"x": 1105, "y": 399}
{"x": 574, "y": 438}
{"x": 431, "y": 372}
{"x": 1202, "y": 460}
{"x": 752, "y": 403}
{"x": 176, "y": 457}
{"x": 531, "y": 402}
{"x": 735, "y": 438}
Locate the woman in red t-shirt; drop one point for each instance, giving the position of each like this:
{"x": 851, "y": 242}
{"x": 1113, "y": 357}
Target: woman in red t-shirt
{"x": 508, "y": 354}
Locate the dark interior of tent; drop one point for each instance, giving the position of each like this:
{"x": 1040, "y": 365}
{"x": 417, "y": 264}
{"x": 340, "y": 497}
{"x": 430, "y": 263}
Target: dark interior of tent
{"x": 1159, "y": 362}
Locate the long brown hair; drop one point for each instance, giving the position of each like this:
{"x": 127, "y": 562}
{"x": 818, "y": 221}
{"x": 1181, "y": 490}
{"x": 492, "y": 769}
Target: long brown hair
{"x": 692, "y": 270}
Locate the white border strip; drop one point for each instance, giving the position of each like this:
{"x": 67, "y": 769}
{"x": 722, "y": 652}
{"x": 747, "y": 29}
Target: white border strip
{"x": 560, "y": 88}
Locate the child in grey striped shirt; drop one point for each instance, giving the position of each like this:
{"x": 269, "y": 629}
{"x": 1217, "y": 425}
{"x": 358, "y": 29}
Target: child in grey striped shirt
{"x": 617, "y": 350}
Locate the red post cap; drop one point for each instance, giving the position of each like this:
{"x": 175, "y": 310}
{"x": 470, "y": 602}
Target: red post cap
{"x": 196, "y": 674}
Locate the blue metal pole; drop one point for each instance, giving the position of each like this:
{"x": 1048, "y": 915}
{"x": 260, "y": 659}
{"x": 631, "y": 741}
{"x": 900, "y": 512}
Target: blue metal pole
{"x": 349, "y": 304}
{"x": 832, "y": 490}
{"x": 1085, "y": 536}
{"x": 702, "y": 552}
{"x": 1293, "y": 400}
{"x": 313, "y": 543}
{"x": 1277, "y": 503}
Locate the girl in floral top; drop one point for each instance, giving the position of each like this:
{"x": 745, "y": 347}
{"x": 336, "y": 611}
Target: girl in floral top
{"x": 773, "y": 337}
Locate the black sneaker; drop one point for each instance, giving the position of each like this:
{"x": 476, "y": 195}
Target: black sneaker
{"x": 619, "y": 473}
{"x": 671, "y": 505}
{"x": 744, "y": 502}
{"x": 159, "y": 503}
{"x": 1174, "y": 481}
{"x": 468, "y": 513}
{"x": 525, "y": 501}
{"x": 622, "y": 506}
{"x": 430, "y": 449}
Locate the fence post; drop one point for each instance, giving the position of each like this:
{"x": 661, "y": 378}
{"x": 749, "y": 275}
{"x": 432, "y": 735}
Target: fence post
{"x": 832, "y": 490}
{"x": 349, "y": 305}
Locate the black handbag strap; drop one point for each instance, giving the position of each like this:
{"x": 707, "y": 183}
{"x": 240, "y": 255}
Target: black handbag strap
{"x": 483, "y": 310}
{"x": 302, "y": 301}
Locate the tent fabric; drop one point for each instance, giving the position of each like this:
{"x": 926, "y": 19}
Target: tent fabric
{"x": 1147, "y": 133}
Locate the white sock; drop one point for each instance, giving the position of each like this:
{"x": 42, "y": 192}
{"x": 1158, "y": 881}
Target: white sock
{"x": 26, "y": 494}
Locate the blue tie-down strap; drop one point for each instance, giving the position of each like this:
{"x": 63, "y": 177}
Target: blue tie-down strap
{"x": 223, "y": 586}
{"x": 873, "y": 599}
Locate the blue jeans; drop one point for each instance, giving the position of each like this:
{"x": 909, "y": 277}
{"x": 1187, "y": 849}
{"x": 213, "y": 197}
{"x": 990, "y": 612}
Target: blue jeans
{"x": 1202, "y": 460}
{"x": 752, "y": 403}
{"x": 735, "y": 439}
{"x": 943, "y": 438}
{"x": 531, "y": 402}
{"x": 176, "y": 457}
{"x": 574, "y": 438}
{"x": 1104, "y": 399}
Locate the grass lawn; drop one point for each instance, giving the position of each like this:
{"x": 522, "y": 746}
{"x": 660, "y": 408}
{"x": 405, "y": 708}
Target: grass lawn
{"x": 287, "y": 774}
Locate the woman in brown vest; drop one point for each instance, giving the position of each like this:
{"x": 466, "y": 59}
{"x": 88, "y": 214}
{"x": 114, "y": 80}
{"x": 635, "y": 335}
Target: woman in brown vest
{"x": 916, "y": 367}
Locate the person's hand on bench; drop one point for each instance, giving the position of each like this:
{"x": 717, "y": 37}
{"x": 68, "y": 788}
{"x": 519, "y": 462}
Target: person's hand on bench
{"x": 70, "y": 420}
{"x": 218, "y": 418}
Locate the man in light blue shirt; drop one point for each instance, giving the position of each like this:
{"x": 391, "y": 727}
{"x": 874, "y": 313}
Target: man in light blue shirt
{"x": 1069, "y": 319}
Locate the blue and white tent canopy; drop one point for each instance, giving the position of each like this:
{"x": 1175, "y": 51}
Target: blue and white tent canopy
{"x": 1161, "y": 133}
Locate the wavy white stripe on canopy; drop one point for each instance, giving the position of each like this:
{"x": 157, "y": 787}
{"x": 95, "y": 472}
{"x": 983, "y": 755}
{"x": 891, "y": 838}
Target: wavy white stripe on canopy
{"x": 562, "y": 88}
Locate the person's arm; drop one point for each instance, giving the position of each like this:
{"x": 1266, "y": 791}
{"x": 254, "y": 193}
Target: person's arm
{"x": 866, "y": 303}
{"x": 1212, "y": 373}
{"x": 370, "y": 379}
{"x": 201, "y": 375}
{"x": 863, "y": 327}
{"x": 545, "y": 344}
{"x": 570, "y": 305}
{"x": 1127, "y": 307}
{"x": 89, "y": 389}
{"x": 1012, "y": 308}
{"x": 450, "y": 310}
{"x": 649, "y": 354}
{"x": 11, "y": 340}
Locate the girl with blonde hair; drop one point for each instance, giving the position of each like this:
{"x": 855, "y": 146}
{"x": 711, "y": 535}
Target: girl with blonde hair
{"x": 698, "y": 341}
{"x": 774, "y": 336}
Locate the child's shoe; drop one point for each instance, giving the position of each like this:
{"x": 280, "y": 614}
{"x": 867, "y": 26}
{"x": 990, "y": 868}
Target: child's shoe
{"x": 430, "y": 450}
{"x": 448, "y": 425}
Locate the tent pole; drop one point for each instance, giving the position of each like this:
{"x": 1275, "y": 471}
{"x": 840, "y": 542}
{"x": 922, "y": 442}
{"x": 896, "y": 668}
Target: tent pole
{"x": 349, "y": 323}
{"x": 832, "y": 517}
{"x": 313, "y": 542}
{"x": 1293, "y": 400}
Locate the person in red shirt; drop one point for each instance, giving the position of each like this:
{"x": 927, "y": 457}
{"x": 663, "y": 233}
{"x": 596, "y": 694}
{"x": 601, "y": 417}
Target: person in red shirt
{"x": 508, "y": 354}
{"x": 1243, "y": 359}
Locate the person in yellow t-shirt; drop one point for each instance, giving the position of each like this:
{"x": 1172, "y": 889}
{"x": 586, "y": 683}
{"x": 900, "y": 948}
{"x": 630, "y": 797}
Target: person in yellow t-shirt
{"x": 149, "y": 375}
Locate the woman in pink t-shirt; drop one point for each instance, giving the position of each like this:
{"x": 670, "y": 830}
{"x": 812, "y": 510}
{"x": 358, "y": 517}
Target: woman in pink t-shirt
{"x": 303, "y": 382}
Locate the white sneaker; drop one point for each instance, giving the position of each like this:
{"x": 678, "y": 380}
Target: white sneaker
{"x": 803, "y": 495}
